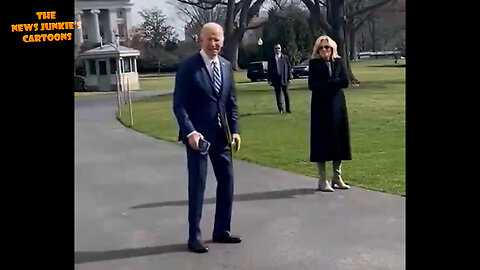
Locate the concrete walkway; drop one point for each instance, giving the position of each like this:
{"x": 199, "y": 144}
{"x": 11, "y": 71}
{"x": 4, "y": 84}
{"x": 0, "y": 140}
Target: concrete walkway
{"x": 131, "y": 209}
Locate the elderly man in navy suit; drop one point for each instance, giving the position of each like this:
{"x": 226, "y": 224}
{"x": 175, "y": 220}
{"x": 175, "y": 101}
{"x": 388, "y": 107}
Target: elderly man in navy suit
{"x": 204, "y": 104}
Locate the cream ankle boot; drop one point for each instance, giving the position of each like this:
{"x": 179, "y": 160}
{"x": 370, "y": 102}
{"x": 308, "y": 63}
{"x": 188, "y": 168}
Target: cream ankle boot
{"x": 323, "y": 184}
{"x": 337, "y": 181}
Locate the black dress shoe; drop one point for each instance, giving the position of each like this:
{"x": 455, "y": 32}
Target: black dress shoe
{"x": 288, "y": 111}
{"x": 226, "y": 238}
{"x": 197, "y": 247}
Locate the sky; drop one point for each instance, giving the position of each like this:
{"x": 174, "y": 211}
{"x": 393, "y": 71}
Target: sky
{"x": 167, "y": 9}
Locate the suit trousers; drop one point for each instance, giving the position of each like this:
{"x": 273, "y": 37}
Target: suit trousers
{"x": 221, "y": 159}
{"x": 278, "y": 90}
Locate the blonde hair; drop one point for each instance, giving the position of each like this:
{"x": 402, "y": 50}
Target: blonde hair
{"x": 334, "y": 55}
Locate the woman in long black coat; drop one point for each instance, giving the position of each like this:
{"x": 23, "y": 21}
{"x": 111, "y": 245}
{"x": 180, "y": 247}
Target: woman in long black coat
{"x": 329, "y": 132}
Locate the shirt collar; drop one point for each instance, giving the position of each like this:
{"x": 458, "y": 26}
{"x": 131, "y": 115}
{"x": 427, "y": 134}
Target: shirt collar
{"x": 208, "y": 60}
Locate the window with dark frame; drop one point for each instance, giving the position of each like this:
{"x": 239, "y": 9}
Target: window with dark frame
{"x": 113, "y": 65}
{"x": 102, "y": 67}
{"x": 127, "y": 66}
{"x": 92, "y": 66}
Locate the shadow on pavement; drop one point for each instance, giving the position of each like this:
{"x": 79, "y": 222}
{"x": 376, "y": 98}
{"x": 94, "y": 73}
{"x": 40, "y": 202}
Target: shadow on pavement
{"x": 84, "y": 257}
{"x": 96, "y": 256}
{"x": 269, "y": 195}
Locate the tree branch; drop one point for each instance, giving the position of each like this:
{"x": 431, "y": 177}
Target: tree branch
{"x": 351, "y": 3}
{"x": 320, "y": 3}
{"x": 310, "y": 5}
{"x": 254, "y": 9}
{"x": 356, "y": 26}
{"x": 316, "y": 15}
{"x": 256, "y": 26}
{"x": 244, "y": 14}
{"x": 278, "y": 4}
{"x": 370, "y": 8}
{"x": 203, "y": 4}
{"x": 238, "y": 7}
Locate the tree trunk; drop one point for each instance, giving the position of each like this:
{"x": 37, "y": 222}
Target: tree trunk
{"x": 230, "y": 49}
{"x": 353, "y": 45}
{"x": 363, "y": 43}
{"x": 231, "y": 53}
{"x": 234, "y": 31}
{"x": 229, "y": 20}
{"x": 334, "y": 26}
{"x": 371, "y": 29}
{"x": 337, "y": 21}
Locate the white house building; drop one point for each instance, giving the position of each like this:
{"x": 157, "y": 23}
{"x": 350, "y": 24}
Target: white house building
{"x": 102, "y": 21}
{"x": 98, "y": 44}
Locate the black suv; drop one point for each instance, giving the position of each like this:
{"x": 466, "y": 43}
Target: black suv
{"x": 300, "y": 69}
{"x": 257, "y": 71}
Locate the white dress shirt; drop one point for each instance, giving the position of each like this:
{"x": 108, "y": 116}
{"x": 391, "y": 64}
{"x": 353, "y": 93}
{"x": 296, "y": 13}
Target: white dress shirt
{"x": 208, "y": 62}
{"x": 277, "y": 57}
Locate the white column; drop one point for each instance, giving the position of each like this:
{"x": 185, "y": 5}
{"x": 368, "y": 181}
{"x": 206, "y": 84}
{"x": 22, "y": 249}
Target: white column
{"x": 113, "y": 23}
{"x": 78, "y": 32}
{"x": 96, "y": 26}
{"x": 128, "y": 22}
{"x": 135, "y": 64}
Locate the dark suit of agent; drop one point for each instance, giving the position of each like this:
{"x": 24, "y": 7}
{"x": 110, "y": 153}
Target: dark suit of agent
{"x": 205, "y": 106}
{"x": 279, "y": 76}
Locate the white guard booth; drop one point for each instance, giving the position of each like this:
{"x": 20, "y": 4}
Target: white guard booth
{"x": 101, "y": 68}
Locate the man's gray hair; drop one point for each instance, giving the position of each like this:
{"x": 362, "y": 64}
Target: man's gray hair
{"x": 210, "y": 25}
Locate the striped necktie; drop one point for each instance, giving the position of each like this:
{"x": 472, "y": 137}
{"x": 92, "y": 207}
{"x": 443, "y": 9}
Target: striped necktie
{"x": 217, "y": 83}
{"x": 217, "y": 80}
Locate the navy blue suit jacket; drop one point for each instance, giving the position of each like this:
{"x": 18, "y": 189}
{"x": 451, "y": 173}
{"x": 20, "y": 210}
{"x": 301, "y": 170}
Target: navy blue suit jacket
{"x": 196, "y": 104}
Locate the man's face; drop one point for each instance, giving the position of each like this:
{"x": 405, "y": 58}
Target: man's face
{"x": 212, "y": 41}
{"x": 277, "y": 49}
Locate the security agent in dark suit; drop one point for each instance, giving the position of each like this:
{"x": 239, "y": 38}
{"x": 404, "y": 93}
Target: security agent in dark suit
{"x": 204, "y": 104}
{"x": 279, "y": 76}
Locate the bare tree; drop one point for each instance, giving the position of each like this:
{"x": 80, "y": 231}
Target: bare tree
{"x": 372, "y": 22}
{"x": 239, "y": 14}
{"x": 331, "y": 16}
{"x": 353, "y": 25}
{"x": 195, "y": 17}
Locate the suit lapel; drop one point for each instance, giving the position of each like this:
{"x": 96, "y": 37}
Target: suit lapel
{"x": 207, "y": 79}
{"x": 223, "y": 71}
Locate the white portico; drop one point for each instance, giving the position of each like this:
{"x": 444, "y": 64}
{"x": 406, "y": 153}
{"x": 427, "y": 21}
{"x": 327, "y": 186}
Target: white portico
{"x": 102, "y": 21}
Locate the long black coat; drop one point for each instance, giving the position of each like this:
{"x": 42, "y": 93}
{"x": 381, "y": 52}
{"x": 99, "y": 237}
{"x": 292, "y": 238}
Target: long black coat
{"x": 329, "y": 132}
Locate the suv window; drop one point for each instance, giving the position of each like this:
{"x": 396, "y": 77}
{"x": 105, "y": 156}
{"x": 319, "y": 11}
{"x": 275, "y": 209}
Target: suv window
{"x": 256, "y": 66}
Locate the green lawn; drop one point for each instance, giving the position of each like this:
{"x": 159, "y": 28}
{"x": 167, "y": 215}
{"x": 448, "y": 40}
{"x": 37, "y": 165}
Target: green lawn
{"x": 377, "y": 125}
